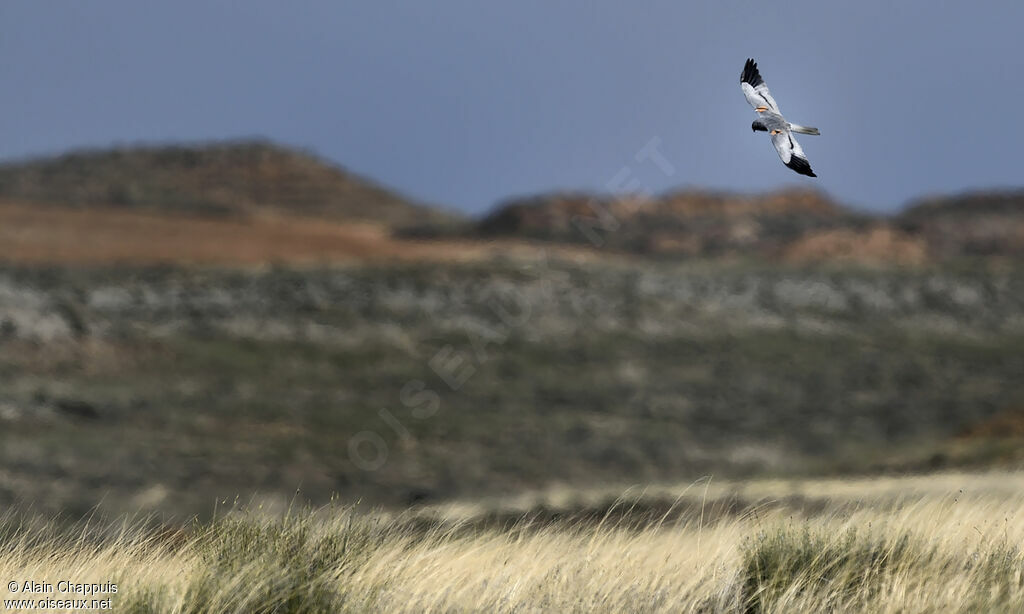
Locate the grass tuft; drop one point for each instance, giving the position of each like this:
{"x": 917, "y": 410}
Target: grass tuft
{"x": 787, "y": 561}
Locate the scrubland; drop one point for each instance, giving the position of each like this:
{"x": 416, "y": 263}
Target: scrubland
{"x": 492, "y": 378}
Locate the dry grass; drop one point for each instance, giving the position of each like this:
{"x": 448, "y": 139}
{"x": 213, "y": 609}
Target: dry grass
{"x": 928, "y": 544}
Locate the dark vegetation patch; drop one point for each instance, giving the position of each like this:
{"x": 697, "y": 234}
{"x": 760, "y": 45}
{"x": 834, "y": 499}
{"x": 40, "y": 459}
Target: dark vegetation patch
{"x": 836, "y": 565}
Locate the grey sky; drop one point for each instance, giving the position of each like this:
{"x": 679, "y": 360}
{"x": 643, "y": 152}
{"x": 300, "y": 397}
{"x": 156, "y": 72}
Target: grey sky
{"x": 466, "y": 102}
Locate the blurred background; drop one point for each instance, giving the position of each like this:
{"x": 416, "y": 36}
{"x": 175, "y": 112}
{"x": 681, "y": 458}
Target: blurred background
{"x": 408, "y": 253}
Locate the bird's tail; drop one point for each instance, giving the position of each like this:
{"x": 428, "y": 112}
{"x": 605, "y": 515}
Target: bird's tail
{"x": 804, "y": 129}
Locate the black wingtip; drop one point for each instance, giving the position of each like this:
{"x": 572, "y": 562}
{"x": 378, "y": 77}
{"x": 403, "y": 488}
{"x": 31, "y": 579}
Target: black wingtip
{"x": 801, "y": 165}
{"x": 750, "y": 74}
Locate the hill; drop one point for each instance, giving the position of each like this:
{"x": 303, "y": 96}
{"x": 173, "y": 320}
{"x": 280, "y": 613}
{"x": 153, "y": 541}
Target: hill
{"x": 227, "y": 179}
{"x": 251, "y": 202}
{"x": 690, "y": 223}
{"x": 971, "y": 224}
{"x": 788, "y": 225}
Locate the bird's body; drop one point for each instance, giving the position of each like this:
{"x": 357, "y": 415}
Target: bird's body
{"x": 767, "y": 121}
{"x": 770, "y": 120}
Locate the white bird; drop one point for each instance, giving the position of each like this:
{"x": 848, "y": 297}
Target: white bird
{"x": 770, "y": 120}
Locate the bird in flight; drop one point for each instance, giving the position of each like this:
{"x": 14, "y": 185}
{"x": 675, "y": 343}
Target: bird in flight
{"x": 770, "y": 120}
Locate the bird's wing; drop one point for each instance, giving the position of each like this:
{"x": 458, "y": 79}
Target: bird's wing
{"x": 791, "y": 153}
{"x": 754, "y": 88}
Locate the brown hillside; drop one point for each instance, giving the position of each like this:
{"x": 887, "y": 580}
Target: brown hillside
{"x": 44, "y": 235}
{"x": 877, "y": 245}
{"x": 253, "y": 201}
{"x": 973, "y": 224}
{"x": 793, "y": 225}
{"x": 693, "y": 223}
{"x": 226, "y": 179}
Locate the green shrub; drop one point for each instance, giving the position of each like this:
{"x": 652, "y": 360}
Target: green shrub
{"x": 837, "y": 565}
{"x": 294, "y": 564}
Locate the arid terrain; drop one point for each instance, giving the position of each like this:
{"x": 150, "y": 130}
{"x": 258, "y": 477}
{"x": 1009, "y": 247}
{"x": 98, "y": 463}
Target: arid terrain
{"x": 237, "y": 377}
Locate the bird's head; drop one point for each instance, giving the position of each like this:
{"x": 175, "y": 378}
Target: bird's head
{"x": 758, "y": 126}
